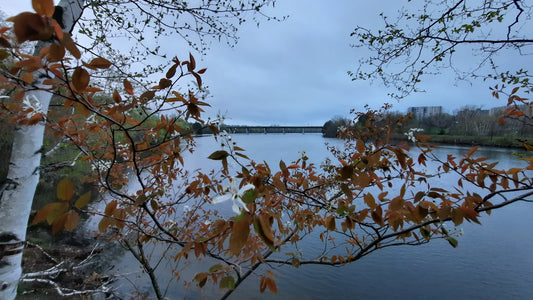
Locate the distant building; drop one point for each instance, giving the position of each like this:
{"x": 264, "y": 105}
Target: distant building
{"x": 422, "y": 112}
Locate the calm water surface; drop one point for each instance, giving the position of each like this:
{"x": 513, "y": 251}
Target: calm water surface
{"x": 493, "y": 260}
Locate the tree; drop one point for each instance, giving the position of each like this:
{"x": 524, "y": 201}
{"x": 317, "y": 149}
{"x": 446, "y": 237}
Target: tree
{"x": 420, "y": 42}
{"x": 333, "y": 126}
{"x": 373, "y": 196}
{"x": 29, "y": 80}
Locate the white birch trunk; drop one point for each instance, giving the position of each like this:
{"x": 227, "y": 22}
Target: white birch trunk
{"x": 17, "y": 194}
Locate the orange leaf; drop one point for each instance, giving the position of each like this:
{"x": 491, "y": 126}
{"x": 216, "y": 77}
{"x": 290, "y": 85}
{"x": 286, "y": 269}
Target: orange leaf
{"x": 100, "y": 63}
{"x": 468, "y": 212}
{"x": 472, "y": 150}
{"x": 65, "y": 190}
{"x": 27, "y": 77}
{"x": 72, "y": 219}
{"x": 80, "y": 79}
{"x": 262, "y": 284}
{"x": 44, "y": 7}
{"x": 43, "y": 213}
{"x": 271, "y": 284}
{"x": 128, "y": 87}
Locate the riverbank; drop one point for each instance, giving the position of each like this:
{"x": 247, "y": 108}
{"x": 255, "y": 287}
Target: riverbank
{"x": 469, "y": 141}
{"x": 72, "y": 264}
{"x": 497, "y": 141}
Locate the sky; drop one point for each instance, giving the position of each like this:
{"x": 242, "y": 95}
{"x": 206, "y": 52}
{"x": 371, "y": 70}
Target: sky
{"x": 295, "y": 72}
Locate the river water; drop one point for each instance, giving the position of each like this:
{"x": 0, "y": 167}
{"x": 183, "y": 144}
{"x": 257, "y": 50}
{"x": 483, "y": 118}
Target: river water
{"x": 493, "y": 261}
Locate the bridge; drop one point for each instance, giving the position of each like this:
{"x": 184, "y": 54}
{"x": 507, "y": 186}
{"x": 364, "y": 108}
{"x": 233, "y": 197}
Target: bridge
{"x": 271, "y": 129}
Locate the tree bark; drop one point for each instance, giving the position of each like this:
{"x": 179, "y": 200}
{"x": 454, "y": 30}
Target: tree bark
{"x": 23, "y": 176}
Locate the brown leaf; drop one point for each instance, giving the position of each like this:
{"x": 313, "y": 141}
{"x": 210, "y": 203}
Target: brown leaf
{"x": 377, "y": 216}
{"x": 218, "y": 155}
{"x": 104, "y": 224}
{"x": 360, "y": 146}
{"x": 44, "y": 7}
{"x": 262, "y": 226}
{"x": 110, "y": 208}
{"x": 4, "y": 43}
{"x": 72, "y": 219}
{"x": 147, "y": 96}
{"x": 83, "y": 200}
{"x": 80, "y": 79}
{"x": 370, "y": 200}
{"x": 100, "y": 63}
{"x": 116, "y": 97}
{"x": 330, "y": 223}
{"x": 70, "y": 45}
{"x": 59, "y": 224}
{"x": 65, "y": 190}
{"x": 239, "y": 235}
{"x": 262, "y": 284}
{"x": 164, "y": 83}
{"x": 31, "y": 27}
{"x": 128, "y": 87}
{"x": 171, "y": 72}
{"x": 192, "y": 64}
{"x": 198, "y": 79}
{"x": 396, "y": 204}
{"x": 57, "y": 52}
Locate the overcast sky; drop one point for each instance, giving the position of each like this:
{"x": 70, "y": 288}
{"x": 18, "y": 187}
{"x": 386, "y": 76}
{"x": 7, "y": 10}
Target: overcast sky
{"x": 295, "y": 72}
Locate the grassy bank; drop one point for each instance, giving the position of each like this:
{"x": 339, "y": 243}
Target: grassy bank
{"x": 495, "y": 141}
{"x": 508, "y": 141}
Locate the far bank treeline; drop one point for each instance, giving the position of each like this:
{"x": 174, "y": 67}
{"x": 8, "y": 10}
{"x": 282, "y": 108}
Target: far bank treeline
{"x": 470, "y": 125}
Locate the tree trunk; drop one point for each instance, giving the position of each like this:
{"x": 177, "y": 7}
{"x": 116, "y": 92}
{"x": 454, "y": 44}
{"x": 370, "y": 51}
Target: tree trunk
{"x": 17, "y": 193}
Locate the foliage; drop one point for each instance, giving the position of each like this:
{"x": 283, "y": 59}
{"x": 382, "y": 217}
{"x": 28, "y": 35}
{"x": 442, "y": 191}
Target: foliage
{"x": 333, "y": 126}
{"x": 423, "y": 40}
{"x": 138, "y": 23}
{"x": 376, "y": 194}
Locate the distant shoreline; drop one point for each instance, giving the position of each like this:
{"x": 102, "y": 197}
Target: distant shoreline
{"x": 495, "y": 141}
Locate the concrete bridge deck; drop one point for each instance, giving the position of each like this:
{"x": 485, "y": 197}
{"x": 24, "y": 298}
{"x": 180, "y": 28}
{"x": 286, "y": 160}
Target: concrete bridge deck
{"x": 272, "y": 129}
